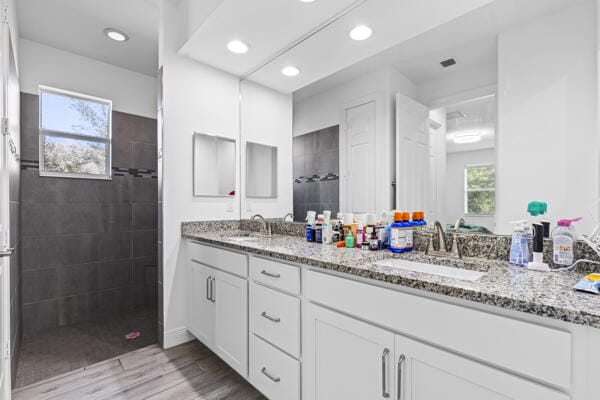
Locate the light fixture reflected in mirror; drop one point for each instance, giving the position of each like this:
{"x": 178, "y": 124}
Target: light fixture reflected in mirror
{"x": 237, "y": 47}
{"x": 361, "y": 32}
{"x": 116, "y": 35}
{"x": 290, "y": 71}
{"x": 467, "y": 137}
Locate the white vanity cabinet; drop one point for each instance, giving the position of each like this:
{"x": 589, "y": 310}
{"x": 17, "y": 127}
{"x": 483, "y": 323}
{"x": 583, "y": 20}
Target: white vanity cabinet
{"x": 275, "y": 321}
{"x": 218, "y": 303}
{"x": 346, "y": 358}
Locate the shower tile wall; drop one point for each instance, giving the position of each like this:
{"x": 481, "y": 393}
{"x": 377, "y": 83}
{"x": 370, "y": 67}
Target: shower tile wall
{"x": 89, "y": 246}
{"x": 316, "y": 172}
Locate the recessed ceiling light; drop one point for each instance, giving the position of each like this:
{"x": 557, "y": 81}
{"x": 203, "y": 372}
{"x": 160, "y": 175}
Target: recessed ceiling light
{"x": 361, "y": 32}
{"x": 466, "y": 138}
{"x": 290, "y": 71}
{"x": 237, "y": 47}
{"x": 116, "y": 34}
{"x": 307, "y": 1}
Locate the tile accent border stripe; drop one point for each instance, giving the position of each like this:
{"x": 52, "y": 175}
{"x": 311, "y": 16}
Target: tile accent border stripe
{"x": 117, "y": 171}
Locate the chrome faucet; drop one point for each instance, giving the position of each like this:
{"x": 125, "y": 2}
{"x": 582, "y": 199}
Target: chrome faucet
{"x": 266, "y": 226}
{"x": 442, "y": 247}
{"x": 288, "y": 215}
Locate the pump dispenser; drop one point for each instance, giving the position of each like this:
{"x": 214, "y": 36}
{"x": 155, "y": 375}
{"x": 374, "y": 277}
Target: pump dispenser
{"x": 535, "y": 209}
{"x": 519, "y": 248}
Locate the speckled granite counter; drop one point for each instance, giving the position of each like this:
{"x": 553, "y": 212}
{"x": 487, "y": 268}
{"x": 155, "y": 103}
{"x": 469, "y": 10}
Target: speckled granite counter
{"x": 545, "y": 294}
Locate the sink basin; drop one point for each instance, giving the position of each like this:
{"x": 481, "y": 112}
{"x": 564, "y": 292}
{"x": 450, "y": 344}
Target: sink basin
{"x": 241, "y": 237}
{"x": 440, "y": 270}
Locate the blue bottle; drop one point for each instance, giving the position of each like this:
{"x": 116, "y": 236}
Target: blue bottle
{"x": 310, "y": 224}
{"x": 397, "y": 234}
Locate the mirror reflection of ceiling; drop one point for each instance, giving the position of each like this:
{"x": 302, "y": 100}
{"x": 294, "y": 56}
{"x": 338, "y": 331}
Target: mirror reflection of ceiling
{"x": 478, "y": 117}
{"x": 270, "y": 26}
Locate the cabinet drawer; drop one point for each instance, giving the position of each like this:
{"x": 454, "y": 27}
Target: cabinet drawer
{"x": 278, "y": 275}
{"x": 525, "y": 348}
{"x": 275, "y": 317}
{"x": 228, "y": 261}
{"x": 274, "y": 373}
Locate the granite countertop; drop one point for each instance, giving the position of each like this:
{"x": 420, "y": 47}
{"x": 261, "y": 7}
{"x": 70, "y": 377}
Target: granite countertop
{"x": 545, "y": 294}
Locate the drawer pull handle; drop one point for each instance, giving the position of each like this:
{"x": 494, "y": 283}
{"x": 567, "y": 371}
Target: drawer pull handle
{"x": 272, "y": 275}
{"x": 268, "y": 375}
{"x": 400, "y": 362}
{"x": 267, "y": 316}
{"x": 384, "y": 392}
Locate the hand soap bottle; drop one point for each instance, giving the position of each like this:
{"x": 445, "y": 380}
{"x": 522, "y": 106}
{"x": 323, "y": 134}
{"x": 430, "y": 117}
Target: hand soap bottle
{"x": 519, "y": 247}
{"x": 564, "y": 241}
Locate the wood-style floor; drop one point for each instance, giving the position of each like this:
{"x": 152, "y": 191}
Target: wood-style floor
{"x": 189, "y": 371}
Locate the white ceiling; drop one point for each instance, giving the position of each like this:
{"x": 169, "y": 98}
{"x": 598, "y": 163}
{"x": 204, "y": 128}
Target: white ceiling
{"x": 77, "y": 26}
{"x": 480, "y": 116}
{"x": 470, "y": 38}
{"x": 331, "y": 50}
{"x": 267, "y": 26}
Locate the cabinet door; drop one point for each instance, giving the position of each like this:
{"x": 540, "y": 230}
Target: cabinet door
{"x": 231, "y": 320}
{"x": 427, "y": 373}
{"x": 346, "y": 359}
{"x": 200, "y": 308}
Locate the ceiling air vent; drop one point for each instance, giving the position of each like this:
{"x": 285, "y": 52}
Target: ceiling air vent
{"x": 448, "y": 63}
{"x": 455, "y": 115}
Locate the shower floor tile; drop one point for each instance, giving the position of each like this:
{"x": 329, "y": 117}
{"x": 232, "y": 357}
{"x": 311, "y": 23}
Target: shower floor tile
{"x": 67, "y": 348}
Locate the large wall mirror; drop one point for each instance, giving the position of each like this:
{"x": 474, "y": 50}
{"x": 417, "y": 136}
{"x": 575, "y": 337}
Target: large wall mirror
{"x": 261, "y": 170}
{"x": 214, "y": 165}
{"x": 468, "y": 121}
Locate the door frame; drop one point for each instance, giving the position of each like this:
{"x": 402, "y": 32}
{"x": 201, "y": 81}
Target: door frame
{"x": 377, "y": 97}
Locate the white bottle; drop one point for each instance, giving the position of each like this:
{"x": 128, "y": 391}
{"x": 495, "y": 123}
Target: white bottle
{"x": 564, "y": 240}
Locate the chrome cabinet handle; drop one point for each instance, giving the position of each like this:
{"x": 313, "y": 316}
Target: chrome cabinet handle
{"x": 208, "y": 288}
{"x": 268, "y": 375}
{"x": 400, "y": 362}
{"x": 213, "y": 290}
{"x": 267, "y": 316}
{"x": 272, "y": 275}
{"x": 384, "y": 356}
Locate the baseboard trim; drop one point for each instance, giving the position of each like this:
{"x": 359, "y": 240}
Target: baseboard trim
{"x": 177, "y": 336}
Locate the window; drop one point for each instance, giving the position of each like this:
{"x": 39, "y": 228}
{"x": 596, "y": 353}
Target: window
{"x": 75, "y": 135}
{"x": 480, "y": 193}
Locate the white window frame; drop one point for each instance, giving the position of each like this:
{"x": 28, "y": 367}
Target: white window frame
{"x": 46, "y": 132}
{"x": 467, "y": 190}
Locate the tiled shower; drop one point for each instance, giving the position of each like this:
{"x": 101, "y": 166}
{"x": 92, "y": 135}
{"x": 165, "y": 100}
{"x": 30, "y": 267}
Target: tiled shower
{"x": 89, "y": 247}
{"x": 316, "y": 172}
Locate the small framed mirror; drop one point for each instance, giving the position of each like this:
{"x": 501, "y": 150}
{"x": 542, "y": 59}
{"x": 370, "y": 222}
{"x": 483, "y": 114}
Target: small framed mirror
{"x": 261, "y": 170}
{"x": 214, "y": 165}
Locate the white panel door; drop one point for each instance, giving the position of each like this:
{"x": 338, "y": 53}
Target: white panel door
{"x": 427, "y": 373}
{"x": 361, "y": 173}
{"x": 412, "y": 155}
{"x": 346, "y": 359}
{"x": 231, "y": 320}
{"x": 201, "y": 310}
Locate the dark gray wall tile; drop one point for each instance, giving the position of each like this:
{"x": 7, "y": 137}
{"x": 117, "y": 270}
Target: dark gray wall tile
{"x": 144, "y": 243}
{"x": 144, "y": 156}
{"x": 40, "y": 219}
{"x": 39, "y": 316}
{"x": 145, "y": 190}
{"x": 114, "y": 274}
{"x": 298, "y": 167}
{"x": 328, "y": 139}
{"x": 77, "y": 235}
{"x": 114, "y": 246}
{"x": 80, "y": 218}
{"x": 78, "y": 249}
{"x": 40, "y": 284}
{"x": 40, "y": 252}
{"x": 77, "y": 279}
{"x": 144, "y": 216}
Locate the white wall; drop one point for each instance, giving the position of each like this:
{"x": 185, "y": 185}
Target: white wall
{"x": 326, "y": 109}
{"x": 131, "y": 92}
{"x": 548, "y": 110}
{"x": 196, "y": 98}
{"x": 454, "y": 200}
{"x": 267, "y": 119}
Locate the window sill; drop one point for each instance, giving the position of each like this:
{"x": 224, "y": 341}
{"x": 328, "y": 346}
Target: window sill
{"x": 45, "y": 174}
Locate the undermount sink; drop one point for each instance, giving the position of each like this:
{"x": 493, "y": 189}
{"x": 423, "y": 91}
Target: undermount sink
{"x": 440, "y": 270}
{"x": 242, "y": 237}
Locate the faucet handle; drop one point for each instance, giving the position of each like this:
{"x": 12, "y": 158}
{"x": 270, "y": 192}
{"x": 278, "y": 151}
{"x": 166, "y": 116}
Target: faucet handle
{"x": 456, "y": 252}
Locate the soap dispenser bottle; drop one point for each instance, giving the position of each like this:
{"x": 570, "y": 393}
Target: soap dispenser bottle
{"x": 519, "y": 248}
{"x": 564, "y": 242}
